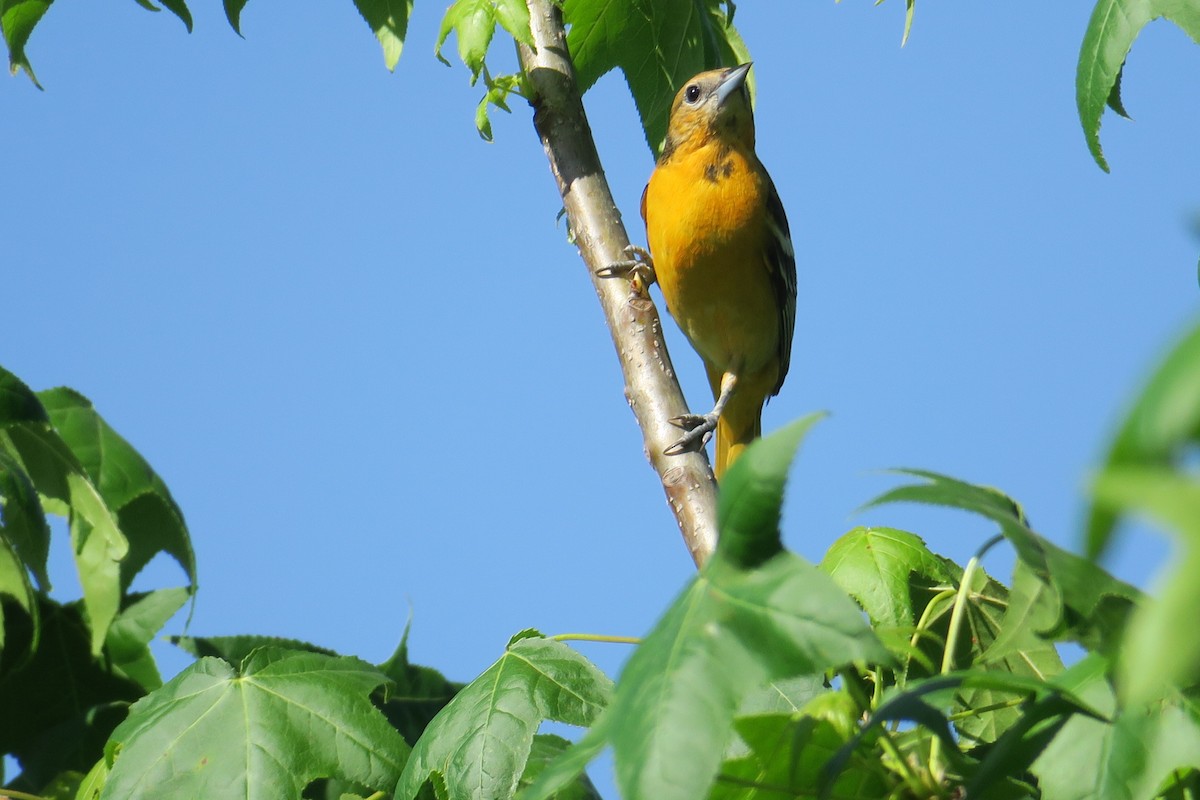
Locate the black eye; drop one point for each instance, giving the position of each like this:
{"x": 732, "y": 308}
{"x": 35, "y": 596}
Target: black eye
{"x": 692, "y": 93}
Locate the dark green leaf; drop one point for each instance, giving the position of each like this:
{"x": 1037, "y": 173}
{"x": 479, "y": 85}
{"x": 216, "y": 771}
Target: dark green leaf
{"x": 881, "y": 568}
{"x": 1092, "y": 605}
{"x": 179, "y": 8}
{"x": 67, "y": 699}
{"x": 1164, "y": 420}
{"x": 546, "y": 748}
{"x": 657, "y": 45}
{"x": 1110, "y": 34}
{"x": 265, "y": 730}
{"x": 235, "y": 649}
{"x": 233, "y": 13}
{"x": 416, "y": 695}
{"x": 478, "y": 745}
{"x": 751, "y": 496}
{"x": 388, "y": 20}
{"x": 18, "y": 18}
{"x": 22, "y": 522}
{"x": 564, "y": 770}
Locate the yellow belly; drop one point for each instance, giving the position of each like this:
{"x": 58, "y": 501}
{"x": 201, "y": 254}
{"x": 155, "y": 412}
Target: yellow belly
{"x": 707, "y": 239}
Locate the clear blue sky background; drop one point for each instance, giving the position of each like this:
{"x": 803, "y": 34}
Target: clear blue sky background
{"x": 355, "y": 343}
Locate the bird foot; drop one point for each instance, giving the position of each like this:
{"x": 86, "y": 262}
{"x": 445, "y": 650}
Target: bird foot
{"x": 639, "y": 267}
{"x": 699, "y": 429}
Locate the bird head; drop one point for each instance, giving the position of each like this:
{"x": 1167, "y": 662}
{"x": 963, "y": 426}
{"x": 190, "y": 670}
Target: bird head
{"x": 714, "y": 104}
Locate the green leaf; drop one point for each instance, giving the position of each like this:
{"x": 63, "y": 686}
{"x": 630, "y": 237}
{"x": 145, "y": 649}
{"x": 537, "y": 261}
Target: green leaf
{"x": 236, "y": 649}
{"x": 129, "y": 638}
{"x": 478, "y": 745}
{"x": 1024, "y": 654}
{"x": 751, "y": 497}
{"x": 22, "y": 521}
{"x": 416, "y": 695}
{"x": 786, "y": 756}
{"x": 18, "y": 18}
{"x": 1091, "y": 605}
{"x": 93, "y": 783}
{"x": 67, "y": 700}
{"x": 264, "y": 730}
{"x": 657, "y": 44}
{"x": 546, "y": 748}
{"x": 882, "y": 568}
{"x": 147, "y": 514}
{"x": 1110, "y": 34}
{"x": 564, "y": 770}
{"x": 728, "y": 634}
{"x": 1128, "y": 758}
{"x": 66, "y": 489}
{"x": 1164, "y": 421}
{"x": 787, "y": 695}
{"x": 233, "y": 13}
{"x": 513, "y": 16}
{"x": 473, "y": 23}
{"x": 388, "y": 20}
{"x": 1162, "y": 642}
{"x": 179, "y": 8}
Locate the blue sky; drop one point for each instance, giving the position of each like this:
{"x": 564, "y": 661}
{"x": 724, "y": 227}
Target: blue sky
{"x": 355, "y": 343}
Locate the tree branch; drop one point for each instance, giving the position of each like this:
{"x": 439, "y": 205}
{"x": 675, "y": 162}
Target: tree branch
{"x": 650, "y": 385}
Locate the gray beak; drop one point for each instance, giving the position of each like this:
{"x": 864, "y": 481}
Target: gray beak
{"x": 734, "y": 80}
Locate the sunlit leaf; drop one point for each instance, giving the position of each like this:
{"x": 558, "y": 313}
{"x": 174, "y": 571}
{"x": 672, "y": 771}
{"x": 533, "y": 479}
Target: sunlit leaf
{"x": 1110, "y": 34}
{"x": 262, "y": 730}
{"x": 388, "y": 20}
{"x": 881, "y": 568}
{"x": 143, "y": 616}
{"x": 18, "y": 18}
{"x": 478, "y": 745}
{"x": 1091, "y": 604}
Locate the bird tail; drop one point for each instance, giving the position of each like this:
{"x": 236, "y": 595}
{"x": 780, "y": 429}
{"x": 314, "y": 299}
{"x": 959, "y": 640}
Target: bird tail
{"x": 734, "y": 432}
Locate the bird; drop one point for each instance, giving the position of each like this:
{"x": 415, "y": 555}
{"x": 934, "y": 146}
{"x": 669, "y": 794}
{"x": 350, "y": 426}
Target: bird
{"x": 720, "y": 250}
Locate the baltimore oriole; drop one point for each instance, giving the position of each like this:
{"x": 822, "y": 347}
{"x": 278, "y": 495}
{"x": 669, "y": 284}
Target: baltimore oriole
{"x": 721, "y": 251}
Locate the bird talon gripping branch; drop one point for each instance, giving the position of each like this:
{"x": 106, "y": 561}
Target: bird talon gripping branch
{"x": 639, "y": 267}
{"x": 723, "y": 257}
{"x": 699, "y": 429}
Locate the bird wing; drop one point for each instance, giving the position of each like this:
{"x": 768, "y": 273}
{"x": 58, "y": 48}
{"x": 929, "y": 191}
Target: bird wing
{"x": 780, "y": 261}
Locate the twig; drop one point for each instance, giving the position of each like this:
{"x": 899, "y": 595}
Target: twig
{"x": 650, "y": 385}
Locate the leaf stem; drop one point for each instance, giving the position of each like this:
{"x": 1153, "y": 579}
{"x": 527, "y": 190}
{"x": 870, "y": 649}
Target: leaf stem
{"x": 956, "y": 621}
{"x": 960, "y": 602}
{"x": 13, "y": 794}
{"x": 595, "y": 637}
